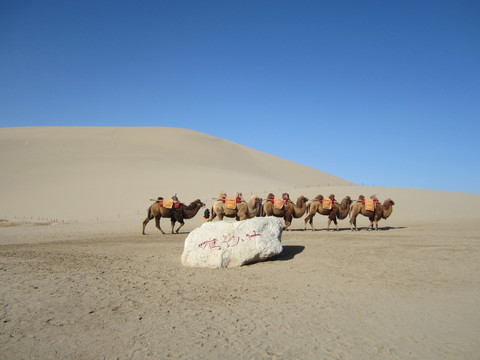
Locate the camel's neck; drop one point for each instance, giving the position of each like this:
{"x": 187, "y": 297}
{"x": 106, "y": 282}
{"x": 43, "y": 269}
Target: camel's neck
{"x": 191, "y": 210}
{"x": 387, "y": 210}
{"x": 253, "y": 206}
{"x": 344, "y": 210}
{"x": 299, "y": 209}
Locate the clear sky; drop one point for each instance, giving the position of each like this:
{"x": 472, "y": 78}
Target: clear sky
{"x": 383, "y": 93}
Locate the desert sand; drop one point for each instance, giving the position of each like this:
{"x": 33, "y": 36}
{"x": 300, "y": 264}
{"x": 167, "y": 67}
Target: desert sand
{"x": 80, "y": 281}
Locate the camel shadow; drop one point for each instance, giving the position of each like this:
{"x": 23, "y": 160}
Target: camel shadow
{"x": 383, "y": 228}
{"x": 288, "y": 253}
{"x": 332, "y": 229}
{"x": 386, "y": 228}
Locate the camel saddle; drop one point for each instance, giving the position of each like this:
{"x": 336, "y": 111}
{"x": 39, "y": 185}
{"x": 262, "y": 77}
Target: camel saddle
{"x": 327, "y": 203}
{"x": 370, "y": 204}
{"x": 231, "y": 203}
{"x": 166, "y": 203}
{"x": 278, "y": 203}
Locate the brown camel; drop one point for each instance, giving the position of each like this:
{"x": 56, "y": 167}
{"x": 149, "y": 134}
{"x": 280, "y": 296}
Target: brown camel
{"x": 380, "y": 211}
{"x": 185, "y": 212}
{"x": 317, "y": 206}
{"x": 242, "y": 211}
{"x": 182, "y": 212}
{"x": 287, "y": 212}
{"x": 338, "y": 211}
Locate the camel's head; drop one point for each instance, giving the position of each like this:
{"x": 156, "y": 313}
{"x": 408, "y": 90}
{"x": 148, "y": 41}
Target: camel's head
{"x": 388, "y": 208}
{"x": 222, "y": 195}
{"x": 361, "y": 198}
{"x": 238, "y": 195}
{"x": 302, "y": 198}
{"x": 199, "y": 202}
{"x": 286, "y": 196}
{"x": 373, "y": 197}
{"x": 270, "y": 196}
{"x": 331, "y": 196}
{"x": 319, "y": 197}
{"x": 389, "y": 201}
{"x": 255, "y": 199}
{"x": 347, "y": 200}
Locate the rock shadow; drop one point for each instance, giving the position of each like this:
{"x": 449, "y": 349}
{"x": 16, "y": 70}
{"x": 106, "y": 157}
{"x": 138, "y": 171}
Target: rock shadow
{"x": 288, "y": 253}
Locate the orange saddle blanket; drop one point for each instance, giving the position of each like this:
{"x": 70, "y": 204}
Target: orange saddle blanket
{"x": 167, "y": 204}
{"x": 231, "y": 203}
{"x": 369, "y": 205}
{"x": 278, "y": 203}
{"x": 327, "y": 204}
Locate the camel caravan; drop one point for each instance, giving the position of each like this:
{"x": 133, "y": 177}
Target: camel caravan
{"x": 239, "y": 209}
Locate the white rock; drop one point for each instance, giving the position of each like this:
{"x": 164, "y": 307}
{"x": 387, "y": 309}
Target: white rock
{"x": 231, "y": 244}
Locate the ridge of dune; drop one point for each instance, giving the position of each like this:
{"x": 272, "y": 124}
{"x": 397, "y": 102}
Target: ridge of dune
{"x": 82, "y": 172}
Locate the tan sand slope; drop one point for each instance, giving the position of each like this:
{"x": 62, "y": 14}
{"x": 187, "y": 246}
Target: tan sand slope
{"x": 85, "y": 172}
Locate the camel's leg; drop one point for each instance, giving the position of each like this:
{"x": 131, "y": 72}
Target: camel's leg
{"x": 371, "y": 225}
{"x": 177, "y": 216}
{"x": 147, "y": 219}
{"x": 180, "y": 226}
{"x": 288, "y": 222}
{"x": 353, "y": 222}
{"x": 330, "y": 221}
{"x": 336, "y": 223}
{"x": 309, "y": 219}
{"x": 332, "y": 217}
{"x": 157, "y": 224}
{"x": 145, "y": 222}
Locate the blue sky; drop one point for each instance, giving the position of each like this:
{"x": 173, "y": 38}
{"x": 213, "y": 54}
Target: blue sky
{"x": 382, "y": 93}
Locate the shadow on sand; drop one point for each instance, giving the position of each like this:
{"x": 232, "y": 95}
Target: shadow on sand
{"x": 384, "y": 228}
{"x": 288, "y": 253}
{"x": 363, "y": 228}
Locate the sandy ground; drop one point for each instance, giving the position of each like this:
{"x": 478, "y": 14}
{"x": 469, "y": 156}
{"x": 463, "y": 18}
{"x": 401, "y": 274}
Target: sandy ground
{"x": 92, "y": 287}
{"x": 104, "y": 291}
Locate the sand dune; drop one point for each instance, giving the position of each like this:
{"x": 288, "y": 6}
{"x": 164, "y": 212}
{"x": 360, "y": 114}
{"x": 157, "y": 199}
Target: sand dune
{"x": 78, "y": 173}
{"x": 91, "y": 286}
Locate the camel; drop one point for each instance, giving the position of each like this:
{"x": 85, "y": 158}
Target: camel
{"x": 288, "y": 212}
{"x": 338, "y": 211}
{"x": 185, "y": 212}
{"x": 182, "y": 212}
{"x": 271, "y": 198}
{"x": 242, "y": 211}
{"x": 380, "y": 212}
{"x": 317, "y": 206}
